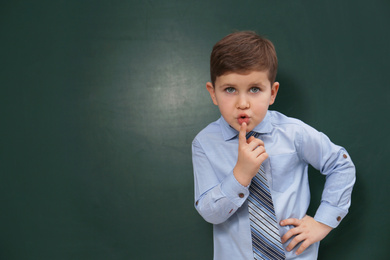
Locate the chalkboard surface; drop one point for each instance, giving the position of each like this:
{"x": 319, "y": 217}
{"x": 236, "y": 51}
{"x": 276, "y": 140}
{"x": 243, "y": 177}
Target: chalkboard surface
{"x": 100, "y": 101}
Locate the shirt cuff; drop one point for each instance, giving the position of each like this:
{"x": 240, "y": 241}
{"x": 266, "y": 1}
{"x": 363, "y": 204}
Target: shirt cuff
{"x": 330, "y": 215}
{"x": 234, "y": 191}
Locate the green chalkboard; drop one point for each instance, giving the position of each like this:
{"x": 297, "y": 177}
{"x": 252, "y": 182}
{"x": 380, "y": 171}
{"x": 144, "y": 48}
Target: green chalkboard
{"x": 100, "y": 101}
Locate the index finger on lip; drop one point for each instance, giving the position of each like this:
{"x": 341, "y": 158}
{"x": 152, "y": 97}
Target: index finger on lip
{"x": 242, "y": 133}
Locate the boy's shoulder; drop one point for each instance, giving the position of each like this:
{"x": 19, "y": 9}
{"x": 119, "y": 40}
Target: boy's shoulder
{"x": 291, "y": 126}
{"x": 278, "y": 119}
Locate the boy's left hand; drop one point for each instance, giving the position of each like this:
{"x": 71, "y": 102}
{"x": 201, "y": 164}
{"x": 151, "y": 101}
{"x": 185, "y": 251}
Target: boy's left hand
{"x": 307, "y": 230}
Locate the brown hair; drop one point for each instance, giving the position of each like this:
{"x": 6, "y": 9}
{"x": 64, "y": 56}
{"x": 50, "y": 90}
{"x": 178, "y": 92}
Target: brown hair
{"x": 241, "y": 52}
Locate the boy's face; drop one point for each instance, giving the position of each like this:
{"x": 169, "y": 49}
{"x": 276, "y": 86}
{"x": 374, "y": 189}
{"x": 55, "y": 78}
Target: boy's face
{"x": 243, "y": 97}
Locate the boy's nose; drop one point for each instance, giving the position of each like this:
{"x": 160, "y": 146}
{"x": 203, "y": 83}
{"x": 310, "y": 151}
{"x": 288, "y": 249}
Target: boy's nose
{"x": 242, "y": 103}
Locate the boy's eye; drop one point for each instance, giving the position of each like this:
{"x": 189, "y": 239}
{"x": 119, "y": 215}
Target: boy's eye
{"x": 230, "y": 90}
{"x": 254, "y": 90}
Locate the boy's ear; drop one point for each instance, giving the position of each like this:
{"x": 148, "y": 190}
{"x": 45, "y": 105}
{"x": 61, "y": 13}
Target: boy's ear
{"x": 211, "y": 90}
{"x": 274, "y": 92}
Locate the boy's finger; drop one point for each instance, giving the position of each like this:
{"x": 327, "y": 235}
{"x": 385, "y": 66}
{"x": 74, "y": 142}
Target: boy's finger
{"x": 303, "y": 247}
{"x": 242, "y": 134}
{"x": 250, "y": 139}
{"x": 290, "y": 221}
{"x": 289, "y": 234}
{"x": 254, "y": 142}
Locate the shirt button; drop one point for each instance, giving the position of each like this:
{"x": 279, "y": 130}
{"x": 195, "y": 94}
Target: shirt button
{"x": 241, "y": 195}
{"x": 345, "y": 156}
{"x": 197, "y": 202}
{"x": 338, "y": 218}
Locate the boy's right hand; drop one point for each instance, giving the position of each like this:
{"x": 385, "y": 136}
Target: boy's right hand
{"x": 251, "y": 154}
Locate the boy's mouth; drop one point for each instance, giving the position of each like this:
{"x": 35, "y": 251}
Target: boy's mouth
{"x": 243, "y": 118}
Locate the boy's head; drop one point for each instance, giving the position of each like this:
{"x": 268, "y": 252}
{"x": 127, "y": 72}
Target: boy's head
{"x": 242, "y": 52}
{"x": 243, "y": 70}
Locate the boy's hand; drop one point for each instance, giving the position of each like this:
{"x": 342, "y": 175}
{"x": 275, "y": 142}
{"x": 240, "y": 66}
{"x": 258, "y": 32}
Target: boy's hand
{"x": 251, "y": 154}
{"x": 307, "y": 230}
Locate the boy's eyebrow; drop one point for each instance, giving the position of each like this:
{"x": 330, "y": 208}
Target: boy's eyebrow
{"x": 257, "y": 84}
{"x": 228, "y": 85}
{"x": 250, "y": 84}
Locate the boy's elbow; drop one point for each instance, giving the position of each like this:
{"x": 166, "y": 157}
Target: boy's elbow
{"x": 350, "y": 172}
{"x": 211, "y": 218}
{"x": 209, "y": 215}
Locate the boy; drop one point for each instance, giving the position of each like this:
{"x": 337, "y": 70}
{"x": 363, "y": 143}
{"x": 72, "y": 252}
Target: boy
{"x": 228, "y": 164}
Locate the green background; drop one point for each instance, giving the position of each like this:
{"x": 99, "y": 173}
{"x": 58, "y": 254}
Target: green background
{"x": 100, "y": 101}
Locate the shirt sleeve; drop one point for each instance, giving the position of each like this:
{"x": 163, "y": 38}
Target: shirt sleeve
{"x": 334, "y": 162}
{"x": 215, "y": 199}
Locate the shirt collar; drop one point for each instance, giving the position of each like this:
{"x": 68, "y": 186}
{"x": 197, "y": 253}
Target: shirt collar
{"x": 229, "y": 132}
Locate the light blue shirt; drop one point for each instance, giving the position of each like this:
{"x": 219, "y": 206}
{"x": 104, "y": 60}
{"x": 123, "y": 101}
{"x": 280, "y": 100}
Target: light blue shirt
{"x": 291, "y": 145}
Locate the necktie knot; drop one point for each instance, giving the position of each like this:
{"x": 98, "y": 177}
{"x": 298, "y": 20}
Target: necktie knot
{"x": 252, "y": 133}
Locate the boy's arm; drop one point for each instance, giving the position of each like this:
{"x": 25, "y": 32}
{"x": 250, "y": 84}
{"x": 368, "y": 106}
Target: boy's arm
{"x": 334, "y": 162}
{"x": 216, "y": 201}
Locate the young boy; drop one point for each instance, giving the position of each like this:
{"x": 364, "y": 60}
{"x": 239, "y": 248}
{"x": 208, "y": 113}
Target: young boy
{"x": 228, "y": 165}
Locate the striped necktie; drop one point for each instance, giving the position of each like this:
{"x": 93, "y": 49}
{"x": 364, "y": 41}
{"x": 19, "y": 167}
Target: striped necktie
{"x": 266, "y": 242}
